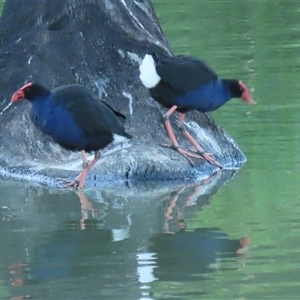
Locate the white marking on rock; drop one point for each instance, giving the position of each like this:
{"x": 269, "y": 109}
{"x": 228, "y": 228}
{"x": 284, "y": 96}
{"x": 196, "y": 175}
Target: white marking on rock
{"x": 101, "y": 85}
{"x": 137, "y": 21}
{"x": 134, "y": 17}
{"x": 129, "y": 97}
{"x": 5, "y": 108}
{"x": 148, "y": 74}
{"x": 121, "y": 52}
{"x": 18, "y": 40}
{"x": 140, "y": 5}
{"x": 39, "y": 21}
{"x": 29, "y": 60}
{"x": 134, "y": 57}
{"x": 203, "y": 136}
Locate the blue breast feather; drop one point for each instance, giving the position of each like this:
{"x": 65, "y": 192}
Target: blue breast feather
{"x": 59, "y": 123}
{"x": 207, "y": 98}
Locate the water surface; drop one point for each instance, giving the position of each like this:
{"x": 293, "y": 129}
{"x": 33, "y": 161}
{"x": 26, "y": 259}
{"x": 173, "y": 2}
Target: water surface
{"x": 176, "y": 242}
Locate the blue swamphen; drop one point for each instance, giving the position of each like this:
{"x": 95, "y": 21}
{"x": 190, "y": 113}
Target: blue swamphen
{"x": 75, "y": 119}
{"x": 184, "y": 83}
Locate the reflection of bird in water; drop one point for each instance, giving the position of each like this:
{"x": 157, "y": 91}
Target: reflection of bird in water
{"x": 86, "y": 207}
{"x": 71, "y": 251}
{"x": 186, "y": 196}
{"x": 185, "y": 255}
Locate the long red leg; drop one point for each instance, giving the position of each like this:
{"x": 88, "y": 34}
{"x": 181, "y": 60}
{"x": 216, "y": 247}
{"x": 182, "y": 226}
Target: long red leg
{"x": 79, "y": 181}
{"x": 85, "y": 161}
{"x": 194, "y": 143}
{"x": 87, "y": 166}
{"x": 172, "y": 137}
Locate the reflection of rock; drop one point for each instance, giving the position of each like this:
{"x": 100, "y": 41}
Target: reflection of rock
{"x": 112, "y": 232}
{"x": 98, "y": 44}
{"x": 43, "y": 209}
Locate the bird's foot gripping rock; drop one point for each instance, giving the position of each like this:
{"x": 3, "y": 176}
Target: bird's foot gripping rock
{"x": 69, "y": 183}
{"x": 188, "y": 155}
{"x": 208, "y": 157}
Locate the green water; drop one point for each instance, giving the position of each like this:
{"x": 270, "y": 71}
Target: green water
{"x": 258, "y": 42}
{"x": 60, "y": 245}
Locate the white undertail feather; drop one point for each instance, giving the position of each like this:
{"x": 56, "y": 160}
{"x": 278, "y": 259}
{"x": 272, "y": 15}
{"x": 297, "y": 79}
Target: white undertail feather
{"x": 117, "y": 139}
{"x": 148, "y": 74}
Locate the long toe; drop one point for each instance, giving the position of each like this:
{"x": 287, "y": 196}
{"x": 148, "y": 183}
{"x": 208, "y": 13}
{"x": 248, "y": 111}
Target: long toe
{"x": 210, "y": 159}
{"x": 69, "y": 183}
{"x": 188, "y": 155}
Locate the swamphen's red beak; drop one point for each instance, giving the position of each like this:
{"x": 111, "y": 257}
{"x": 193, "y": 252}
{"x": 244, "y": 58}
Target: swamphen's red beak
{"x": 19, "y": 94}
{"x": 246, "y": 95}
